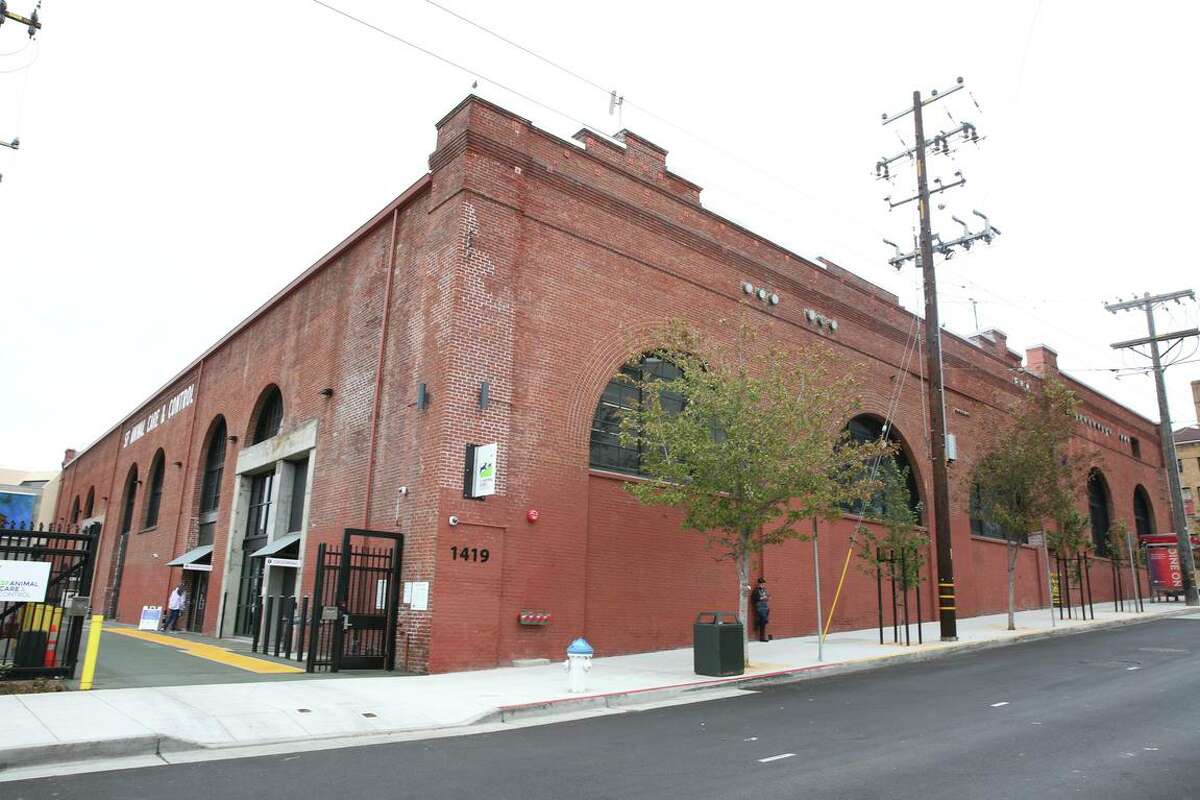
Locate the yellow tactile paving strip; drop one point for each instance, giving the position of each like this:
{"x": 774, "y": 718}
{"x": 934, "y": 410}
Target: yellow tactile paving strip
{"x": 208, "y": 651}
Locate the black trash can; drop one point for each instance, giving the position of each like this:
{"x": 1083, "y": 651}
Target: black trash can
{"x": 717, "y": 644}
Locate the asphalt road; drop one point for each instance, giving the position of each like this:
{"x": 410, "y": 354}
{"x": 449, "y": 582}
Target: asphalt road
{"x": 1111, "y": 714}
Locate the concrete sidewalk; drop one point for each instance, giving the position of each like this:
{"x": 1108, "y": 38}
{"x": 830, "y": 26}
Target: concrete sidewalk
{"x": 53, "y": 729}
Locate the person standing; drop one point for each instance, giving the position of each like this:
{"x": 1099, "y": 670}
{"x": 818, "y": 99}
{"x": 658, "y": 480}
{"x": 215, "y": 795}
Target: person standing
{"x": 761, "y": 601}
{"x": 175, "y": 606}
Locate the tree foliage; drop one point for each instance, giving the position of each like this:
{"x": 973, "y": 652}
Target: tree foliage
{"x": 757, "y": 445}
{"x": 1027, "y": 473}
{"x": 903, "y": 548}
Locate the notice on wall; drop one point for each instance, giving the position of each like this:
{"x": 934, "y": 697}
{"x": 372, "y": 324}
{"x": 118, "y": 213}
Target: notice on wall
{"x": 479, "y": 480}
{"x": 24, "y": 581}
{"x": 381, "y": 587}
{"x": 420, "y": 596}
{"x": 407, "y": 592}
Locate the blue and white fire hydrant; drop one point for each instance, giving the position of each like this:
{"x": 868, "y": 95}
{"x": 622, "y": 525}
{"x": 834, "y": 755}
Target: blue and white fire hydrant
{"x": 578, "y": 665}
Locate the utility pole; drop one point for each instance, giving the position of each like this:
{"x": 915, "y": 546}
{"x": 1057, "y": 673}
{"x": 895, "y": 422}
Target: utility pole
{"x": 32, "y": 21}
{"x": 1170, "y": 460}
{"x": 923, "y": 256}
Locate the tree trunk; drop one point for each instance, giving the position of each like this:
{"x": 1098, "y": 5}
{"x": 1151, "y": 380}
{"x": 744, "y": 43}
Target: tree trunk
{"x": 743, "y": 563}
{"x": 1012, "y": 580}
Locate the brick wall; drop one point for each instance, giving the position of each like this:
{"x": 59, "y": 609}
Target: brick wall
{"x": 538, "y": 266}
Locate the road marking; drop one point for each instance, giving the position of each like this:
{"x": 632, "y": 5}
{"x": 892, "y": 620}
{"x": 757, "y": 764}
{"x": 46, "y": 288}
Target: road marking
{"x": 1001, "y": 703}
{"x": 208, "y": 651}
{"x": 751, "y": 739}
{"x": 1150, "y": 749}
{"x": 1130, "y": 669}
{"x": 776, "y": 758}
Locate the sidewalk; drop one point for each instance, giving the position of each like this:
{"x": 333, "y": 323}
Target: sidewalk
{"x": 75, "y": 726}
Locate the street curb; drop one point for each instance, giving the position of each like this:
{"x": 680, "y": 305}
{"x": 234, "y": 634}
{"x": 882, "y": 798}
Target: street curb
{"x": 64, "y": 752}
{"x": 151, "y": 745}
{"x": 655, "y": 694}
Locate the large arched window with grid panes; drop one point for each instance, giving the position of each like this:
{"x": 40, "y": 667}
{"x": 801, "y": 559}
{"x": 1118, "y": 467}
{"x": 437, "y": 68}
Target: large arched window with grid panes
{"x": 269, "y": 415}
{"x": 867, "y": 428}
{"x": 1143, "y": 514}
{"x": 1099, "y": 510}
{"x": 154, "y": 495}
{"x": 210, "y": 482}
{"x": 620, "y": 396}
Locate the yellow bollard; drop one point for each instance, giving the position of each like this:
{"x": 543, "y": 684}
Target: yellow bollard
{"x": 92, "y": 653}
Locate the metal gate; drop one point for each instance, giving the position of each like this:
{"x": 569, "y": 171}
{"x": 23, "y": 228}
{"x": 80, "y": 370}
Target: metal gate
{"x": 41, "y": 639}
{"x": 356, "y": 596}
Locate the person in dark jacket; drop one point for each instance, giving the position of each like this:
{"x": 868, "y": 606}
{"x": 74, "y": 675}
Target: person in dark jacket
{"x": 761, "y": 601}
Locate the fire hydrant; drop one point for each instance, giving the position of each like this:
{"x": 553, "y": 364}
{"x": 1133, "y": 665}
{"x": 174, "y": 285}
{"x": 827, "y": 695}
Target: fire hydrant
{"x": 578, "y": 665}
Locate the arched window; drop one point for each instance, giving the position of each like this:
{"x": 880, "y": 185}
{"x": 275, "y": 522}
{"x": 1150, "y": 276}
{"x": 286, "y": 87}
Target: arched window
{"x": 131, "y": 482}
{"x": 1143, "y": 516}
{"x": 90, "y": 505}
{"x": 269, "y": 417}
{"x": 1098, "y": 510}
{"x": 210, "y": 484}
{"x": 75, "y": 511}
{"x": 866, "y": 428}
{"x": 621, "y": 395}
{"x": 154, "y": 499}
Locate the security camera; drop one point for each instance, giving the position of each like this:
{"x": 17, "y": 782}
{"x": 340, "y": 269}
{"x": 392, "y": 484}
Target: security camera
{"x": 453, "y": 520}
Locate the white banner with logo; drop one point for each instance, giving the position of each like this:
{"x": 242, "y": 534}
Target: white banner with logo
{"x": 24, "y": 581}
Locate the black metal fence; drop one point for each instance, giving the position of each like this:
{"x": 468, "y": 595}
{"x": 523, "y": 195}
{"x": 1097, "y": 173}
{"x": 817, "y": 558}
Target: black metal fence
{"x": 39, "y": 638}
{"x": 894, "y": 567}
{"x": 356, "y": 597}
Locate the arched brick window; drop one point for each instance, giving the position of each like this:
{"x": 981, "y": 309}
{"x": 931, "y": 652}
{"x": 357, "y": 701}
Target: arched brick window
{"x": 620, "y": 396}
{"x": 154, "y": 498}
{"x": 75, "y": 511}
{"x": 1099, "y": 505}
{"x": 90, "y": 504}
{"x": 1143, "y": 514}
{"x": 130, "y": 498}
{"x": 210, "y": 483}
{"x": 868, "y": 428}
{"x": 269, "y": 415}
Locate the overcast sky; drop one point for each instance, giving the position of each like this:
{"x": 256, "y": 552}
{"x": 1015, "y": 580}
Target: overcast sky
{"x": 180, "y": 163}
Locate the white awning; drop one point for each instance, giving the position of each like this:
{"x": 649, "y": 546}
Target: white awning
{"x": 280, "y": 544}
{"x": 201, "y": 553}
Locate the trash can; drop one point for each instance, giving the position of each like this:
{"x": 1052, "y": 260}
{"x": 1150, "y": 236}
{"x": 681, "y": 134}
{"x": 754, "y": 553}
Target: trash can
{"x": 717, "y": 644}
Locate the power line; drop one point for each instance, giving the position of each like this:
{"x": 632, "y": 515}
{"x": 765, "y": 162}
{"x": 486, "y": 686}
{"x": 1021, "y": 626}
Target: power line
{"x": 623, "y": 100}
{"x": 595, "y": 128}
{"x": 461, "y": 67}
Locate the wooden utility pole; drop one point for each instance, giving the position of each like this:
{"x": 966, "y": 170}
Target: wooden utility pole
{"x": 1178, "y": 519}
{"x": 923, "y": 256}
{"x": 937, "y": 402}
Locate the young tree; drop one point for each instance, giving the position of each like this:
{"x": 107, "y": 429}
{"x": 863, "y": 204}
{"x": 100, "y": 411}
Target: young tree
{"x": 903, "y": 545}
{"x": 1026, "y": 473}
{"x": 750, "y": 441}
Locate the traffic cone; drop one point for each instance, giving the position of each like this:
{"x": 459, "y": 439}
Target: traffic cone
{"x": 52, "y": 647}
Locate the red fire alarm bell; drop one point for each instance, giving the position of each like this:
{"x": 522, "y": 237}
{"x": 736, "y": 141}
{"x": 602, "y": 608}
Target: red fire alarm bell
{"x": 532, "y": 515}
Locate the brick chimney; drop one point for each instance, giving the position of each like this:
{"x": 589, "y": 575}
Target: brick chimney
{"x": 1041, "y": 360}
{"x": 68, "y": 456}
{"x": 1196, "y": 397}
{"x": 641, "y": 157}
{"x": 995, "y": 341}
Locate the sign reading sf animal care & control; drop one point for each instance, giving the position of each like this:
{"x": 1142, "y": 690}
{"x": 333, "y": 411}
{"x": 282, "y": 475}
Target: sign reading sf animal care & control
{"x": 24, "y": 581}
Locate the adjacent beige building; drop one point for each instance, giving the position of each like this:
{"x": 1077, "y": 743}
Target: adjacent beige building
{"x": 1187, "y": 453}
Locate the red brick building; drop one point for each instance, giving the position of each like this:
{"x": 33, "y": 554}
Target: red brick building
{"x": 526, "y": 269}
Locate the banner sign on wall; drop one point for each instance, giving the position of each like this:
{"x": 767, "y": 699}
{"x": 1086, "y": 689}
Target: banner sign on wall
{"x": 24, "y": 581}
{"x": 479, "y": 477}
